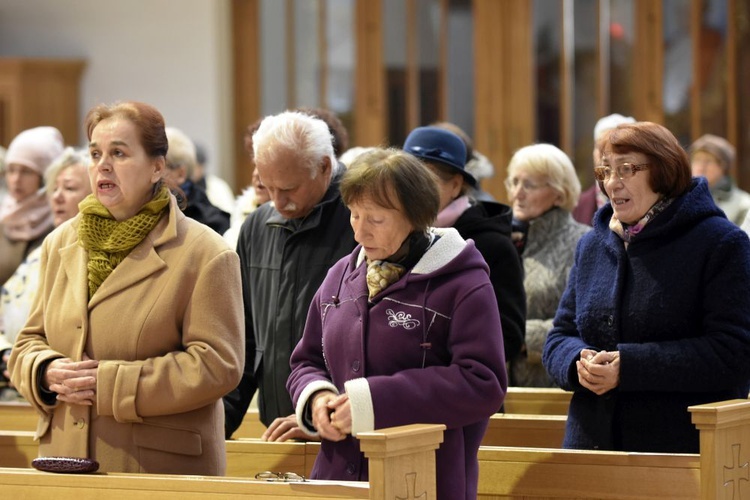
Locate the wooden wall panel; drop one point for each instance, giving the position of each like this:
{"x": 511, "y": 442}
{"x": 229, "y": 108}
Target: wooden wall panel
{"x": 36, "y": 92}
{"x": 648, "y": 62}
{"x": 246, "y": 60}
{"x": 504, "y": 83}
{"x": 370, "y": 103}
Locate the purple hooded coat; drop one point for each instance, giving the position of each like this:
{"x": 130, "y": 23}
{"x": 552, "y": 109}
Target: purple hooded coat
{"x": 427, "y": 349}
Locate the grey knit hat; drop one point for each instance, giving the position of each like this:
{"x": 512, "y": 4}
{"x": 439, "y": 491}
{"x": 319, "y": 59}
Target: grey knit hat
{"x": 715, "y": 146}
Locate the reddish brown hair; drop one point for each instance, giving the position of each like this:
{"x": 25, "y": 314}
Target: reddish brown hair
{"x": 670, "y": 166}
{"x": 147, "y": 119}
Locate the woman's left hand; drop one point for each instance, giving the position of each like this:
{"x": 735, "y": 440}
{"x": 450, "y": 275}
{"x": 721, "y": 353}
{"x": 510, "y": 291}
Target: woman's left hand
{"x": 73, "y": 381}
{"x": 599, "y": 372}
{"x": 341, "y": 413}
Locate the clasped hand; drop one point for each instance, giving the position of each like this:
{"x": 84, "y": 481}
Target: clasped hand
{"x": 332, "y": 415}
{"x": 73, "y": 381}
{"x": 599, "y": 372}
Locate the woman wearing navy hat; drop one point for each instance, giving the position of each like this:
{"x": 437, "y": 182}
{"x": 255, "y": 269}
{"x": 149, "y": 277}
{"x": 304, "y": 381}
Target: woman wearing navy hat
{"x": 487, "y": 223}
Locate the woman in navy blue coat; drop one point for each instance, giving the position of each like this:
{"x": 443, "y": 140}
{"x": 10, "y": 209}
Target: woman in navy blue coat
{"x": 656, "y": 314}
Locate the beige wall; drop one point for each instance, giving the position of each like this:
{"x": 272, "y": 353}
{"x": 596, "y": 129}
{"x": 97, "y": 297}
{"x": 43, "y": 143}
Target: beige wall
{"x": 174, "y": 54}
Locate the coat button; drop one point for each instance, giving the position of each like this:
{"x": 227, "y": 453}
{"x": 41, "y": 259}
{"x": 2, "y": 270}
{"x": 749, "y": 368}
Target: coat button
{"x": 80, "y": 423}
{"x": 610, "y": 320}
{"x": 355, "y": 365}
{"x": 350, "y": 469}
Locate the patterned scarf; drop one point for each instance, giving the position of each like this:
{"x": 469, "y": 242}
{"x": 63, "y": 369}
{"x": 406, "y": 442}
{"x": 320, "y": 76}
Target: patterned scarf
{"x": 26, "y": 220}
{"x": 382, "y": 273}
{"x": 109, "y": 241}
{"x": 626, "y": 232}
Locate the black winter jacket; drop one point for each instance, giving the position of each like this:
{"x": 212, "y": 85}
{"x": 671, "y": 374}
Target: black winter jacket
{"x": 283, "y": 262}
{"x": 489, "y": 225}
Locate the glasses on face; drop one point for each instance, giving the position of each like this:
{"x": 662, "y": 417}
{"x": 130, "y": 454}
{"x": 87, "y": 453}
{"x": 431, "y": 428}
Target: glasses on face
{"x": 623, "y": 171}
{"x": 280, "y": 477}
{"x": 527, "y": 185}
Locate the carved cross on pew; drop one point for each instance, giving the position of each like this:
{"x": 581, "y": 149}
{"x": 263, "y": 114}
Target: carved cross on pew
{"x": 411, "y": 485}
{"x": 736, "y": 474}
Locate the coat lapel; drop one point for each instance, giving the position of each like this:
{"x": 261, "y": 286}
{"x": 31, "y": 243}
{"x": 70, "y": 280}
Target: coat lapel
{"x": 74, "y": 263}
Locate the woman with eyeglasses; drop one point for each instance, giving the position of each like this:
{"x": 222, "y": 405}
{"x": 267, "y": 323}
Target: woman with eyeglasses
{"x": 543, "y": 189}
{"x": 656, "y": 315}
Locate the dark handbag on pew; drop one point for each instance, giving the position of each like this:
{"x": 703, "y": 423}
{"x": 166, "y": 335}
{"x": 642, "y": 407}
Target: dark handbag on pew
{"x": 65, "y": 465}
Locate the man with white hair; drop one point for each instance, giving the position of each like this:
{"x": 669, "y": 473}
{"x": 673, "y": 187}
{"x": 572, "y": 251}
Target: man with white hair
{"x": 286, "y": 248}
{"x": 592, "y": 198}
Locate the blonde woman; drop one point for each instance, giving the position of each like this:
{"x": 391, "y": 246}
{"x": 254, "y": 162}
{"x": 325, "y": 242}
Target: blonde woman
{"x": 543, "y": 189}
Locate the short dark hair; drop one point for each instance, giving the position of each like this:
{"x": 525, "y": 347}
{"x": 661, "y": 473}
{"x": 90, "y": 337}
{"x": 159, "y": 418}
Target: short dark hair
{"x": 670, "y": 172}
{"x": 335, "y": 127}
{"x": 381, "y": 174}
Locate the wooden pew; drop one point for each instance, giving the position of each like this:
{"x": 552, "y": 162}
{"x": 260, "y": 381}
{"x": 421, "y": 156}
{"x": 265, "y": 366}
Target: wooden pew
{"x": 505, "y": 429}
{"x": 402, "y": 465}
{"x": 17, "y": 416}
{"x": 529, "y": 431}
{"x": 720, "y": 471}
{"x": 537, "y": 401}
{"x": 17, "y": 448}
{"x": 519, "y": 401}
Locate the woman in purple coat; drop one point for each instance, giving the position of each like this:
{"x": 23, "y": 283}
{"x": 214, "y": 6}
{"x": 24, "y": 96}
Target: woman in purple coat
{"x": 404, "y": 330}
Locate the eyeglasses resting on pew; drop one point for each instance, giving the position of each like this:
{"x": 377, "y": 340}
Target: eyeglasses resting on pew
{"x": 282, "y": 477}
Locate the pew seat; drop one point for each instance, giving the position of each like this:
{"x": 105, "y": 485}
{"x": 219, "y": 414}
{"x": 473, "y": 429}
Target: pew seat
{"x": 402, "y": 465}
{"x": 720, "y": 471}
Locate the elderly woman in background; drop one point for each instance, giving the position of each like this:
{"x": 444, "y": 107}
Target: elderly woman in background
{"x": 3, "y": 187}
{"x": 487, "y": 223}
{"x": 181, "y": 160}
{"x": 136, "y": 332}
{"x": 67, "y": 184}
{"x": 25, "y": 216}
{"x": 713, "y": 157}
{"x": 543, "y": 188}
{"x": 656, "y": 315}
{"x": 404, "y": 330}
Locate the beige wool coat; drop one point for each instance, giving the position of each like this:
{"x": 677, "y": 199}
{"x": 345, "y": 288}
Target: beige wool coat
{"x": 167, "y": 327}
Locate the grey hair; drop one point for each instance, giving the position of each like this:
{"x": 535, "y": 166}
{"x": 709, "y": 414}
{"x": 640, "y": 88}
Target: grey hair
{"x": 546, "y": 160}
{"x": 292, "y": 131}
{"x": 181, "y": 150}
{"x": 68, "y": 158}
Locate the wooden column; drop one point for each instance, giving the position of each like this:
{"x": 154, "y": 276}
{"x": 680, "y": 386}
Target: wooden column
{"x": 246, "y": 59}
{"x": 648, "y": 62}
{"x": 504, "y": 83}
{"x": 402, "y": 461}
{"x": 369, "y": 81}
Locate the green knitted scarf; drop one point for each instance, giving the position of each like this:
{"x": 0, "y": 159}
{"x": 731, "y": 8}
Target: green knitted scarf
{"x": 109, "y": 241}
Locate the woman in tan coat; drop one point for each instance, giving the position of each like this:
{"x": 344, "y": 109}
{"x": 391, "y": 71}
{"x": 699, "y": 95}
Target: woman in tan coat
{"x": 137, "y": 330}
